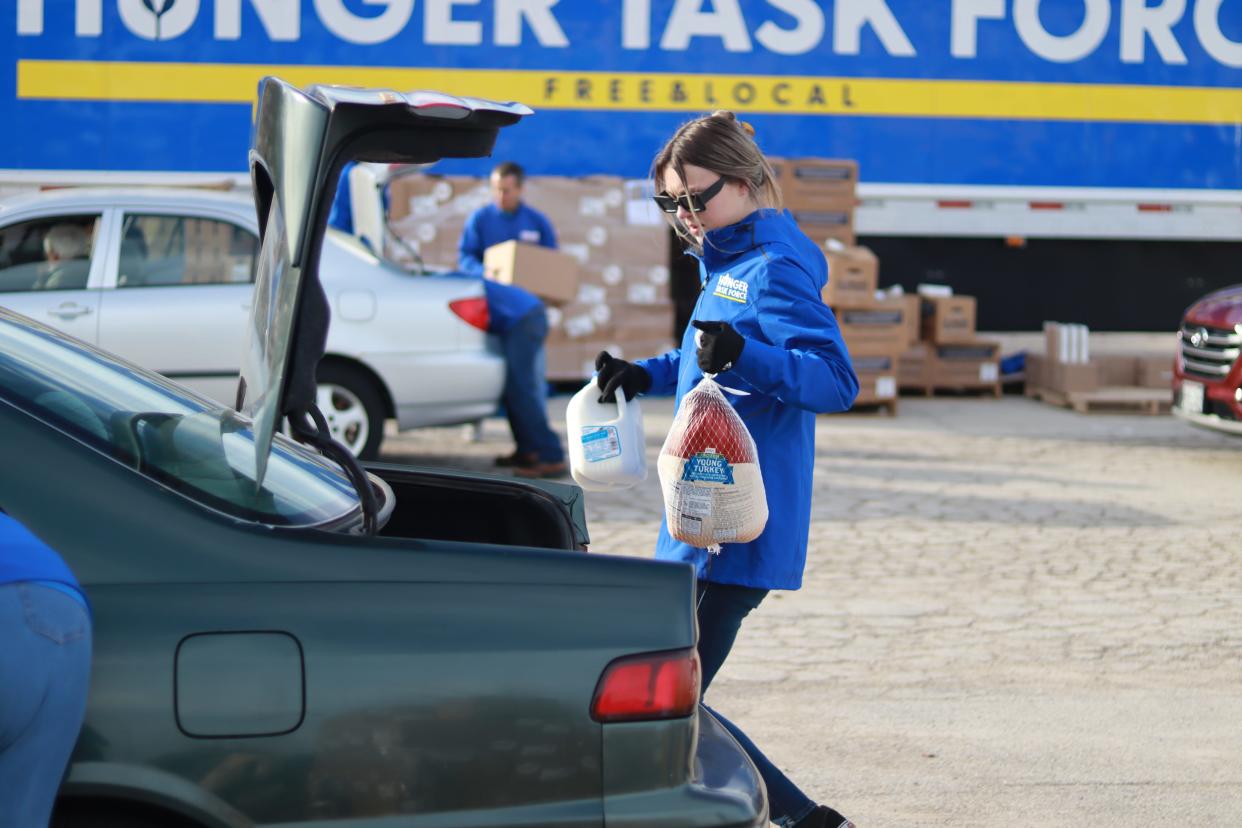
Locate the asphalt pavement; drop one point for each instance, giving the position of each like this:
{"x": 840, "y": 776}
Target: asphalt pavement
{"x": 1012, "y": 614}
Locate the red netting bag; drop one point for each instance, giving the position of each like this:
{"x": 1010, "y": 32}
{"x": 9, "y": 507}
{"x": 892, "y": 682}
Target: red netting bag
{"x": 709, "y": 471}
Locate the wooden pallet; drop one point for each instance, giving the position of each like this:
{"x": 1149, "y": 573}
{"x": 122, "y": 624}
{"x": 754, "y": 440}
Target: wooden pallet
{"x": 1112, "y": 400}
{"x": 991, "y": 389}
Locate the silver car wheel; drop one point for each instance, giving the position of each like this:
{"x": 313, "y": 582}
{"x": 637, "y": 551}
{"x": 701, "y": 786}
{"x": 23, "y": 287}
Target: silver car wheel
{"x": 346, "y": 416}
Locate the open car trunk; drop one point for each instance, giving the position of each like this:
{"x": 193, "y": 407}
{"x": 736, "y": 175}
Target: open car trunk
{"x": 438, "y": 504}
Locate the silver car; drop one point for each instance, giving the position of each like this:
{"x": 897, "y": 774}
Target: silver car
{"x": 164, "y": 277}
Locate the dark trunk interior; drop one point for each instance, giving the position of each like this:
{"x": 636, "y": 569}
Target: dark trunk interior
{"x": 449, "y": 507}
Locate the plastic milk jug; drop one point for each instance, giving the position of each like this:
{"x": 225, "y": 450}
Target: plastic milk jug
{"x": 607, "y": 450}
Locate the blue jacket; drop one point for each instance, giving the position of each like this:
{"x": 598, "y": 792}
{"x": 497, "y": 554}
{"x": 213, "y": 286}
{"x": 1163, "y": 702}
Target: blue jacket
{"x": 341, "y": 216}
{"x": 490, "y": 225}
{"x": 23, "y": 557}
{"x": 764, "y": 277}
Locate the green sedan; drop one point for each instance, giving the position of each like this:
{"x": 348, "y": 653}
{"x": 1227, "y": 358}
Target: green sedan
{"x": 286, "y": 637}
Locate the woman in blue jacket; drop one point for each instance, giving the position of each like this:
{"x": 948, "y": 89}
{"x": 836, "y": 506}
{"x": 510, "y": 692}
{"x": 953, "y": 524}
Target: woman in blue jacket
{"x": 762, "y": 328}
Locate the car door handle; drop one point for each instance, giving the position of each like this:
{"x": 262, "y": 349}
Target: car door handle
{"x": 69, "y": 310}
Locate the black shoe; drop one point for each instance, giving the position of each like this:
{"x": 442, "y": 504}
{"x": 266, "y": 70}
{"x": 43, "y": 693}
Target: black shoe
{"x": 516, "y": 459}
{"x": 824, "y": 817}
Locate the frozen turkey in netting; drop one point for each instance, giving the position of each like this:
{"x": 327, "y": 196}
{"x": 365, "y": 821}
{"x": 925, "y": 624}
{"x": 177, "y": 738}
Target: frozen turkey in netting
{"x": 709, "y": 471}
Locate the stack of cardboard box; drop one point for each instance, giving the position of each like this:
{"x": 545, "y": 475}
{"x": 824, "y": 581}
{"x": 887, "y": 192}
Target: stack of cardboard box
{"x": 622, "y": 246}
{"x": 821, "y": 193}
{"x": 1069, "y": 371}
{"x": 606, "y": 224}
{"x": 874, "y": 329}
{"x": 948, "y": 355}
{"x": 1067, "y": 367}
{"x": 428, "y": 212}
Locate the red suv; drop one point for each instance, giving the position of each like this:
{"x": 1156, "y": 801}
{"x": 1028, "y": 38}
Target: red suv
{"x": 1207, "y": 378}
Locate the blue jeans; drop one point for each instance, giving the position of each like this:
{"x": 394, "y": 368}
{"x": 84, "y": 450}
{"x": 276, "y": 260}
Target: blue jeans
{"x": 526, "y": 388}
{"x": 721, "y": 610}
{"x": 45, "y": 670}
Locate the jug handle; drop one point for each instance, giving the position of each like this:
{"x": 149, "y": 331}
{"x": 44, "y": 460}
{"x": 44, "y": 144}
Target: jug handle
{"x": 619, "y": 396}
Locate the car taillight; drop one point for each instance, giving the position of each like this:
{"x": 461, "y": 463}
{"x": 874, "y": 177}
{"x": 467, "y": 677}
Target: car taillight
{"x": 646, "y": 687}
{"x": 473, "y": 311}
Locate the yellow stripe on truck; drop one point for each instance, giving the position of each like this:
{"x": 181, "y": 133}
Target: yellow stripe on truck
{"x": 633, "y": 91}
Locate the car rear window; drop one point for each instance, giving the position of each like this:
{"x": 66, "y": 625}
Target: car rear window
{"x": 163, "y": 431}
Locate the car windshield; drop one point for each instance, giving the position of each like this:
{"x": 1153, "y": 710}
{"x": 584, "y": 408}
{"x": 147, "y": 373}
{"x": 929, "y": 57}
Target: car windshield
{"x": 164, "y": 431}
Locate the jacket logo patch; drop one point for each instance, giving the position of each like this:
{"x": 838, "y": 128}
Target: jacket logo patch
{"x": 735, "y": 290}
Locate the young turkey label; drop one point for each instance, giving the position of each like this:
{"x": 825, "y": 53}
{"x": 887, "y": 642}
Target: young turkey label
{"x": 709, "y": 471}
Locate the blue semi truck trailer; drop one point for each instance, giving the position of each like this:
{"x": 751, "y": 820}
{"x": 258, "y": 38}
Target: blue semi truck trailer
{"x": 1073, "y": 159}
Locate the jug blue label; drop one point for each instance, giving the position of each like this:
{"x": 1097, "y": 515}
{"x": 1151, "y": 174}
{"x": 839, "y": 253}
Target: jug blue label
{"x": 708, "y": 467}
{"x": 600, "y": 443}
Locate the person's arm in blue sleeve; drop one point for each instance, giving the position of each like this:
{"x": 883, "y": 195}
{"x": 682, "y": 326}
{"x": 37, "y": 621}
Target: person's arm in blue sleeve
{"x": 663, "y": 370}
{"x": 470, "y": 248}
{"x": 806, "y": 364}
{"x": 547, "y": 233}
{"x": 341, "y": 216}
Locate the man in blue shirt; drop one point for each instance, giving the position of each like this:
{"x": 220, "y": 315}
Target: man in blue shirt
{"x": 518, "y": 318}
{"x": 45, "y": 669}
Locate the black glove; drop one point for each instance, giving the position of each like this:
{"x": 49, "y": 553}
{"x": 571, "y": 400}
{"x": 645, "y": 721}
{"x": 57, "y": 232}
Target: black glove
{"x": 719, "y": 347}
{"x": 617, "y": 373}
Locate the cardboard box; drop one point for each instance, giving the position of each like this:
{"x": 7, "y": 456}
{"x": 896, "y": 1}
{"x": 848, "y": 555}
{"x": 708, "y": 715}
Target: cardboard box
{"x": 632, "y": 349}
{"x": 833, "y": 221}
{"x": 812, "y": 182}
{"x": 578, "y": 321}
{"x": 1034, "y": 371}
{"x": 569, "y": 202}
{"x": 1118, "y": 369}
{"x": 853, "y": 275}
{"x": 878, "y": 328}
{"x": 435, "y": 244}
{"x": 777, "y": 164}
{"x": 916, "y": 368}
{"x": 1067, "y": 342}
{"x": 549, "y": 274}
{"x": 435, "y": 197}
{"x": 640, "y": 209}
{"x": 637, "y": 247}
{"x": 569, "y": 361}
{"x": 1072, "y": 377}
{"x": 575, "y": 360}
{"x": 971, "y": 364}
{"x": 1155, "y": 372}
{"x": 404, "y": 192}
{"x": 877, "y": 376}
{"x": 649, "y": 285}
{"x": 948, "y": 319}
{"x": 927, "y": 366}
{"x": 912, "y": 317}
{"x": 643, "y": 322}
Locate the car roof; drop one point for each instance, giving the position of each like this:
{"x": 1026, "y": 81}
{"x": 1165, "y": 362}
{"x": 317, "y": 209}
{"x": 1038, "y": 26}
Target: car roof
{"x": 77, "y": 198}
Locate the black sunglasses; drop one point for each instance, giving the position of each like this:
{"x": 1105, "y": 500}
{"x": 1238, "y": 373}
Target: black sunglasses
{"x": 694, "y": 202}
